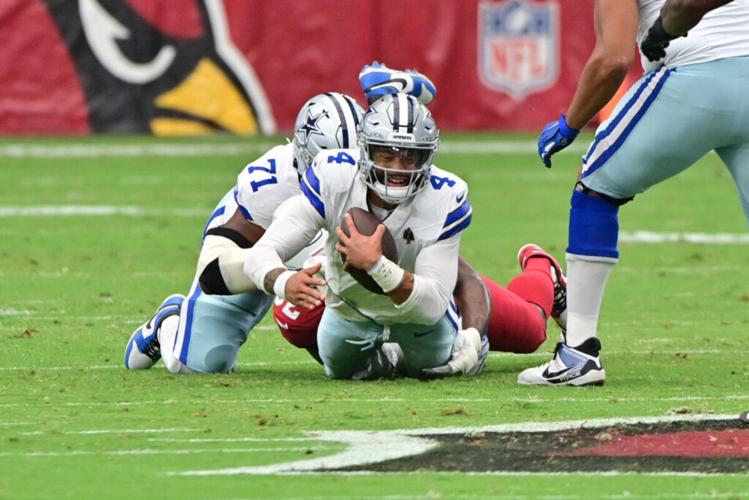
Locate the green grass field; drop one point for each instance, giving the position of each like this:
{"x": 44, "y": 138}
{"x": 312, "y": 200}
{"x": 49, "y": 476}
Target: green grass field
{"x": 75, "y": 424}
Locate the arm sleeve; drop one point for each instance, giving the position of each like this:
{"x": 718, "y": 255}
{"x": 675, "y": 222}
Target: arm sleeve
{"x": 294, "y": 224}
{"x": 434, "y": 281}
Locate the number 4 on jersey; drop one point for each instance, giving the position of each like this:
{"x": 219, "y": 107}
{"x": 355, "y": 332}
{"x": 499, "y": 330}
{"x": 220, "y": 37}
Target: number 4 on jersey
{"x": 438, "y": 182}
{"x": 342, "y": 157}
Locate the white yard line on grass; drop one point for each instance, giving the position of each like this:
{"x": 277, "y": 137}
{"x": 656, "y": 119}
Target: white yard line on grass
{"x": 318, "y": 400}
{"x": 113, "y": 431}
{"x": 121, "y": 367}
{"x": 97, "y": 210}
{"x": 148, "y": 451}
{"x": 693, "y": 238}
{"x": 22, "y": 150}
{"x": 249, "y": 364}
{"x": 229, "y": 440}
{"x": 643, "y": 237}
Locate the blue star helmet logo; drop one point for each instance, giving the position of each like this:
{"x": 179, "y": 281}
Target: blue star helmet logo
{"x": 310, "y": 127}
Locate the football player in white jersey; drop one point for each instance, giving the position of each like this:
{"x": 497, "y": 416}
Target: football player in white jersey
{"x": 204, "y": 331}
{"x": 658, "y": 129}
{"x": 392, "y": 176}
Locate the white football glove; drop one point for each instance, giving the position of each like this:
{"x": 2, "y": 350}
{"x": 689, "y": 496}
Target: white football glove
{"x": 465, "y": 357}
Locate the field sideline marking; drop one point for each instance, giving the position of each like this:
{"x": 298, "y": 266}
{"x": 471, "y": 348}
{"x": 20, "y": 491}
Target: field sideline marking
{"x": 647, "y": 237}
{"x": 121, "y": 367}
{"x": 230, "y": 440}
{"x": 111, "y": 431}
{"x": 20, "y": 150}
{"x": 530, "y": 399}
{"x": 371, "y": 447}
{"x": 659, "y": 352}
{"x": 150, "y": 451}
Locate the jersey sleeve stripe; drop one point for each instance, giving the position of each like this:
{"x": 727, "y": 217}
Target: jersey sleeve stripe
{"x": 456, "y": 228}
{"x": 311, "y": 179}
{"x": 219, "y": 211}
{"x": 313, "y": 197}
{"x": 244, "y": 211}
{"x": 457, "y": 214}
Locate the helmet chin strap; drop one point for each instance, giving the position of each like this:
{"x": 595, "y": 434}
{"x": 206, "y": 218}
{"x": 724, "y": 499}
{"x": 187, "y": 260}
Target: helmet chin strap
{"x": 390, "y": 194}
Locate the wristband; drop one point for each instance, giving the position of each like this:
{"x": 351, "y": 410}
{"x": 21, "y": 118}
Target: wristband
{"x": 279, "y": 287}
{"x": 387, "y": 274}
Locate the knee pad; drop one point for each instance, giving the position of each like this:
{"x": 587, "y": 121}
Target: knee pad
{"x": 594, "y": 225}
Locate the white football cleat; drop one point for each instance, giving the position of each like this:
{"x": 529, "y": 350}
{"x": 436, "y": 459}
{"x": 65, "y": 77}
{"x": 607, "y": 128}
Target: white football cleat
{"x": 578, "y": 366}
{"x": 143, "y": 349}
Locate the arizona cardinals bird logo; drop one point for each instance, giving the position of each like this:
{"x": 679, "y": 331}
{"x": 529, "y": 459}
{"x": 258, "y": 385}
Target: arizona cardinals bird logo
{"x": 137, "y": 78}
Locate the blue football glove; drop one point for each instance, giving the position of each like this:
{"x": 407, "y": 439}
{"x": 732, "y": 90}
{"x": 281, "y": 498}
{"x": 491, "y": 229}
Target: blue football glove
{"x": 378, "y": 80}
{"x": 555, "y": 137}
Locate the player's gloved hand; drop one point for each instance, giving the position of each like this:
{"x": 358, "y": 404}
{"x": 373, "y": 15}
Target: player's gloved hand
{"x": 555, "y": 136}
{"x": 465, "y": 358}
{"x": 377, "y": 80}
{"x": 654, "y": 45}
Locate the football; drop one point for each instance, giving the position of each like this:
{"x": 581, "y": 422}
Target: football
{"x": 366, "y": 223}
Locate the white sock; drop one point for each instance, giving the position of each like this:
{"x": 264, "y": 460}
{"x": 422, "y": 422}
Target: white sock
{"x": 167, "y": 334}
{"x": 586, "y": 282}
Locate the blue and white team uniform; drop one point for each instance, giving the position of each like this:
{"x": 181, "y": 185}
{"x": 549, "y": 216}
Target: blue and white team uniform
{"x": 692, "y": 102}
{"x": 212, "y": 328}
{"x": 426, "y": 229}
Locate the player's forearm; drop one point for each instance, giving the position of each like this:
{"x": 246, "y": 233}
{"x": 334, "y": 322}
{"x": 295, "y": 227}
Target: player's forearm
{"x": 679, "y": 16}
{"x": 401, "y": 294}
{"x": 261, "y": 261}
{"x": 271, "y": 277}
{"x": 473, "y": 296}
{"x": 432, "y": 282}
{"x": 220, "y": 267}
{"x": 426, "y": 302}
{"x": 295, "y": 223}
{"x": 601, "y": 77}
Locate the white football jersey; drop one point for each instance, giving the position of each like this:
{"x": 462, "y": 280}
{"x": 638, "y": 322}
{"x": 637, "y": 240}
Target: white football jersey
{"x": 262, "y": 186}
{"x": 438, "y": 212}
{"x": 722, "y": 33}
{"x": 266, "y": 183}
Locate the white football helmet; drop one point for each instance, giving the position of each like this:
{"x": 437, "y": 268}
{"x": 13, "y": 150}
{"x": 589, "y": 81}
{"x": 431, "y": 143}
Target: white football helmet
{"x": 327, "y": 121}
{"x": 401, "y": 123}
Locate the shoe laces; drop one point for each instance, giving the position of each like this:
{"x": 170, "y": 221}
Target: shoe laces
{"x": 560, "y": 294}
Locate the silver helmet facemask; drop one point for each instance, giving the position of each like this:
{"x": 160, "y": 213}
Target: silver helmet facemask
{"x": 398, "y": 124}
{"x": 327, "y": 121}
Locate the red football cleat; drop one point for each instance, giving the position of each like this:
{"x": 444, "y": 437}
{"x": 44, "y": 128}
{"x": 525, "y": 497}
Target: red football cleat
{"x": 559, "y": 309}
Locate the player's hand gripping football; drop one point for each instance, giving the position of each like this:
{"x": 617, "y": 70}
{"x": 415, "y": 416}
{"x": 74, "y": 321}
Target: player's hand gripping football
{"x": 555, "y": 136}
{"x": 302, "y": 288}
{"x": 465, "y": 358}
{"x": 361, "y": 251}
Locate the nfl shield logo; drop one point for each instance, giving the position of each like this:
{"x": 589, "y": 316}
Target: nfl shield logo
{"x": 518, "y": 46}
